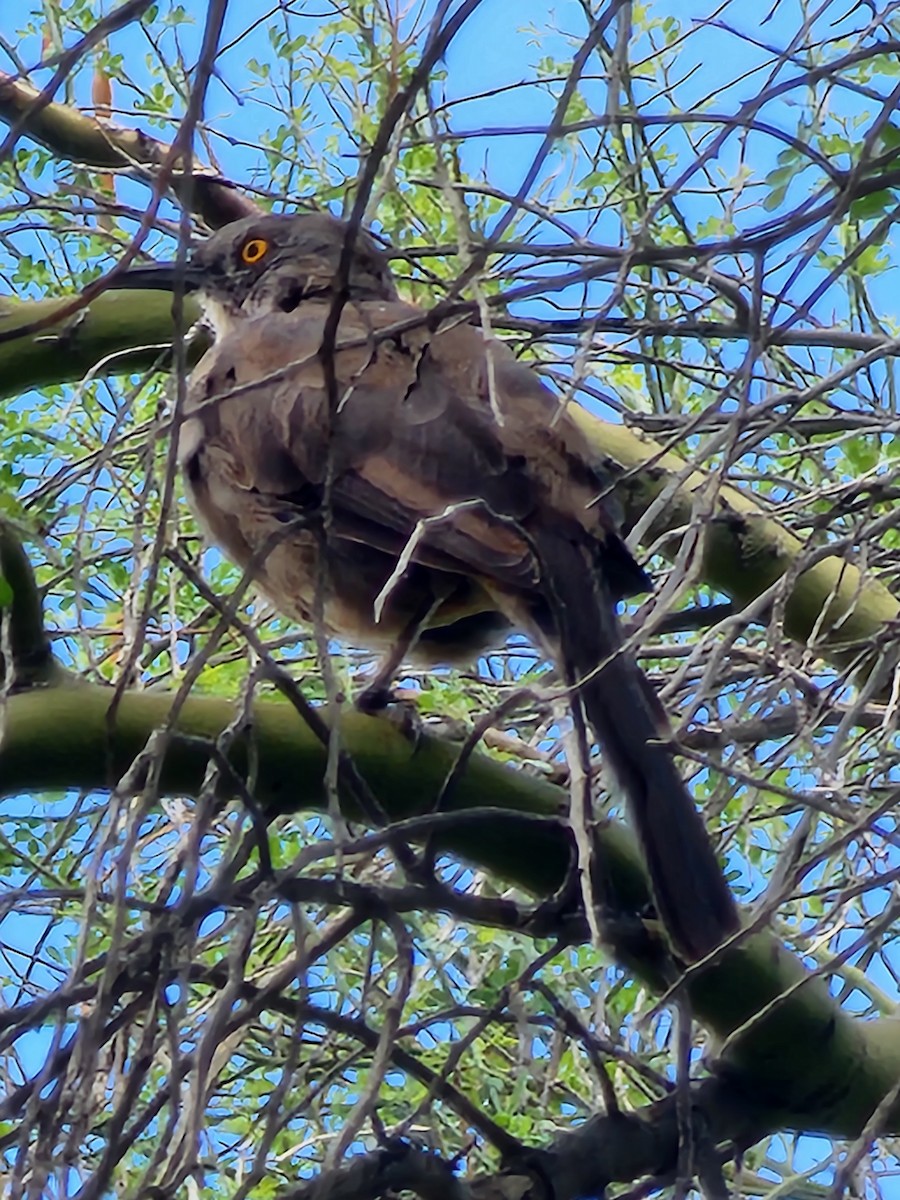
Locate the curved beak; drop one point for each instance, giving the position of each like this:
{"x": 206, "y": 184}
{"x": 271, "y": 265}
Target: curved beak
{"x": 160, "y": 276}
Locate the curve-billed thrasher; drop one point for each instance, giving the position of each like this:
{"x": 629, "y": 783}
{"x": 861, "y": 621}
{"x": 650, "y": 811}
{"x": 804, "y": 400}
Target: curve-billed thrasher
{"x": 454, "y": 496}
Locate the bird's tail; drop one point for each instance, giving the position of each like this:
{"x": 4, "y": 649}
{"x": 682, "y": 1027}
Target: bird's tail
{"x": 689, "y": 889}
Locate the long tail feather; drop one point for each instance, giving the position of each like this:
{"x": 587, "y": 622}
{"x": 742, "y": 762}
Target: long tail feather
{"x": 689, "y": 889}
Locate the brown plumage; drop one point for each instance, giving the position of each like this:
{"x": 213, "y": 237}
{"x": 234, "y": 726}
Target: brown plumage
{"x": 424, "y": 425}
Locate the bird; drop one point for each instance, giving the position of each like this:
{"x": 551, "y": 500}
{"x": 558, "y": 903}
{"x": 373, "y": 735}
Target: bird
{"x": 402, "y": 481}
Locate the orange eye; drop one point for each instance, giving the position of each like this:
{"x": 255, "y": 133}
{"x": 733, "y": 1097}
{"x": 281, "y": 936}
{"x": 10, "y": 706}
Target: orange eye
{"x": 254, "y": 250}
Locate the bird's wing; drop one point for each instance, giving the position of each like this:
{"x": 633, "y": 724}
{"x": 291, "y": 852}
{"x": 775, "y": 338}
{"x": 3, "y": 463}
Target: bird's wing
{"x": 417, "y": 427}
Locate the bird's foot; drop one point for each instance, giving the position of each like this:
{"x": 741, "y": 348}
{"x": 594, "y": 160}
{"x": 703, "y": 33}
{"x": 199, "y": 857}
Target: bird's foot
{"x": 397, "y": 705}
{"x": 372, "y": 700}
{"x": 375, "y": 697}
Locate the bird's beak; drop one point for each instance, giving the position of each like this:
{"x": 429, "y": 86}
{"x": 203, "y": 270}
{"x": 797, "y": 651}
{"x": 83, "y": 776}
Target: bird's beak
{"x": 160, "y": 276}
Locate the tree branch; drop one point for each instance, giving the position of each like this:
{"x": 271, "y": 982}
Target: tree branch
{"x": 74, "y": 136}
{"x": 788, "y": 1043}
{"x": 744, "y": 551}
{"x": 65, "y": 62}
{"x": 118, "y": 334}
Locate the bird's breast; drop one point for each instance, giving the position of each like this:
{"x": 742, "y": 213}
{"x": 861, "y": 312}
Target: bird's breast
{"x": 280, "y": 546}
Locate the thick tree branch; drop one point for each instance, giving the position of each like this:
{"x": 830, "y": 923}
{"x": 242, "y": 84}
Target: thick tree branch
{"x": 397, "y": 1167}
{"x": 53, "y": 739}
{"x": 65, "y": 62}
{"x": 614, "y": 1147}
{"x": 830, "y": 605}
{"x": 788, "y": 1044}
{"x": 120, "y": 333}
{"x": 609, "y": 1148}
{"x": 74, "y": 136}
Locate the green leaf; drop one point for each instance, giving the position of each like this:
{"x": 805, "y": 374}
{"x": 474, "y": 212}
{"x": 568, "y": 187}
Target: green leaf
{"x": 834, "y": 144}
{"x": 874, "y": 205}
{"x": 775, "y": 197}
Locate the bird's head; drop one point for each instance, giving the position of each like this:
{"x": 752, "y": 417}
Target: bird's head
{"x": 272, "y": 263}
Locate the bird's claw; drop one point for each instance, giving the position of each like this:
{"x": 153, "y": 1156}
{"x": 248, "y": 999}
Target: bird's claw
{"x": 396, "y": 705}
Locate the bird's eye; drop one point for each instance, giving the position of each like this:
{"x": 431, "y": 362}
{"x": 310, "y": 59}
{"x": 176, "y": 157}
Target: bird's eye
{"x": 254, "y": 250}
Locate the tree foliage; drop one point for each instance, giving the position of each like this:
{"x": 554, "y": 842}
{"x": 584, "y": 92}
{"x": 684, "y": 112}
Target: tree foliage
{"x": 253, "y": 941}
